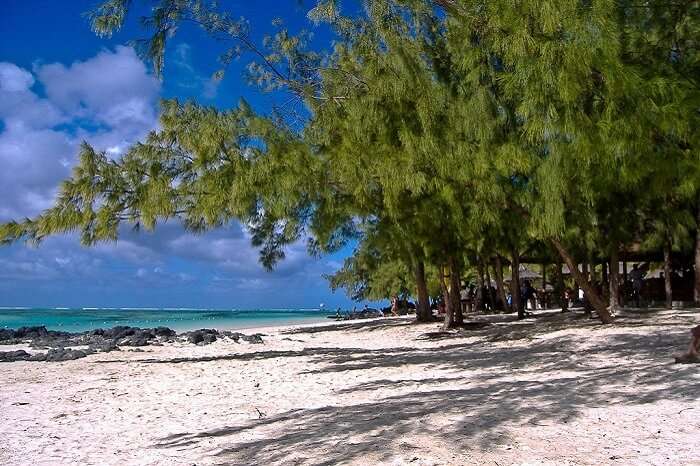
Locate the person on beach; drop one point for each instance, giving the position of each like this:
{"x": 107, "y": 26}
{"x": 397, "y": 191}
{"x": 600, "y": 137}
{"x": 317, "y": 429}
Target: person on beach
{"x": 637, "y": 278}
{"x": 442, "y": 309}
{"x": 464, "y": 299}
{"x": 528, "y": 295}
{"x": 395, "y": 306}
{"x": 693, "y": 348}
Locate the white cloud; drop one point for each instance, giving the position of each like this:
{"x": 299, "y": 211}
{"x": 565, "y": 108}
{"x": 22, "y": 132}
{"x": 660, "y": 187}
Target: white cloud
{"x": 14, "y": 78}
{"x": 114, "y": 88}
{"x": 33, "y": 165}
{"x": 108, "y": 100}
{"x": 20, "y": 107}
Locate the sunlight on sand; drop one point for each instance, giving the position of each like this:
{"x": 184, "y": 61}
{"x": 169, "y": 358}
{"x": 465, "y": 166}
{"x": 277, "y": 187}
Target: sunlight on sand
{"x": 559, "y": 389}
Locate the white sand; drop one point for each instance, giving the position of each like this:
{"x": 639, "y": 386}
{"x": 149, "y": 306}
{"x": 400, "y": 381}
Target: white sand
{"x": 558, "y": 390}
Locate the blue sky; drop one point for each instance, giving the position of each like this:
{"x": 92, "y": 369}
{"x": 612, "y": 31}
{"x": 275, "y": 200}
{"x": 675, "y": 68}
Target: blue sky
{"x": 60, "y": 84}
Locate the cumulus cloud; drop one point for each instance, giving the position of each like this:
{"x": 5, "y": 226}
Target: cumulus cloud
{"x": 20, "y": 107}
{"x": 14, "y": 78}
{"x": 110, "y": 100}
{"x": 113, "y": 88}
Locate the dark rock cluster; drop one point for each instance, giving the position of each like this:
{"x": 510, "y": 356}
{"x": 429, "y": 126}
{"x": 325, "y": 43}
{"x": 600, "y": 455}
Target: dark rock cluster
{"x": 59, "y": 344}
{"x": 205, "y": 336}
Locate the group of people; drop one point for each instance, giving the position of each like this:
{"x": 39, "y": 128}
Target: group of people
{"x": 490, "y": 300}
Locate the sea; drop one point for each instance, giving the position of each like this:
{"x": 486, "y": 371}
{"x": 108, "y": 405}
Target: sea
{"x": 83, "y": 319}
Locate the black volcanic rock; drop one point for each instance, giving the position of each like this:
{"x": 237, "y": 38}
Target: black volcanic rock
{"x": 103, "y": 347}
{"x": 62, "y": 354}
{"x": 255, "y": 338}
{"x": 11, "y": 356}
{"x": 58, "y": 344}
{"x": 138, "y": 339}
{"x": 203, "y": 336}
{"x": 164, "y": 332}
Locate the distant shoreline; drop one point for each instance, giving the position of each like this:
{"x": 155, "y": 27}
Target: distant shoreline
{"x": 85, "y": 319}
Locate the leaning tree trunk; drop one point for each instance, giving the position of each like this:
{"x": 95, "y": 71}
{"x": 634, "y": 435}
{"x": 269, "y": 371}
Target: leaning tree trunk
{"x": 668, "y": 287}
{"x": 697, "y": 256}
{"x": 498, "y": 272}
{"x": 449, "y": 316}
{"x": 515, "y": 284}
{"x": 588, "y": 288}
{"x": 614, "y": 276}
{"x": 454, "y": 292}
{"x": 423, "y": 307}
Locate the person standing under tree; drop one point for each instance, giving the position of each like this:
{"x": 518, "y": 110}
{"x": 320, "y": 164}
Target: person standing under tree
{"x": 528, "y": 295}
{"x": 395, "y": 306}
{"x": 464, "y": 299}
{"x": 637, "y": 278}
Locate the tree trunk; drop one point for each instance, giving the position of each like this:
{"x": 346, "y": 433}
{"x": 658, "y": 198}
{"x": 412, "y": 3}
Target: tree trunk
{"x": 623, "y": 295}
{"x": 498, "y": 271}
{"x": 614, "y": 279}
{"x": 605, "y": 279}
{"x": 561, "y": 289}
{"x": 515, "y": 284}
{"x": 479, "y": 286}
{"x": 697, "y": 256}
{"x": 448, "y": 323}
{"x": 667, "y": 275}
{"x": 588, "y": 288}
{"x": 544, "y": 286}
{"x": 454, "y": 291}
{"x": 588, "y": 275}
{"x": 492, "y": 298}
{"x": 423, "y": 308}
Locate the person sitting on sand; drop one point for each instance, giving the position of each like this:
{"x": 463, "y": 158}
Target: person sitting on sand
{"x": 693, "y": 348}
{"x": 442, "y": 309}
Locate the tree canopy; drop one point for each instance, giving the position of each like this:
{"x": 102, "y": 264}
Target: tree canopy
{"x": 445, "y": 134}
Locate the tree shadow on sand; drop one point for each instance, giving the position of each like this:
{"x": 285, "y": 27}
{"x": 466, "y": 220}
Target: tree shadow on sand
{"x": 541, "y": 383}
{"x": 369, "y": 325}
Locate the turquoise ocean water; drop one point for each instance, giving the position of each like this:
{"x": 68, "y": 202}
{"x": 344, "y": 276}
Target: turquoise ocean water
{"x": 82, "y": 319}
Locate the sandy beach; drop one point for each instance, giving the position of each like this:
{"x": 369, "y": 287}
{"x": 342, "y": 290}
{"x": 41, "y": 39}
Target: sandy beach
{"x": 560, "y": 389}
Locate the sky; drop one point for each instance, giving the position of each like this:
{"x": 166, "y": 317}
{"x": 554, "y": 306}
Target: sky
{"x": 60, "y": 85}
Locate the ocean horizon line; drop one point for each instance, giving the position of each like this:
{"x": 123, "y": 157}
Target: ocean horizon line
{"x": 90, "y": 318}
{"x": 195, "y": 309}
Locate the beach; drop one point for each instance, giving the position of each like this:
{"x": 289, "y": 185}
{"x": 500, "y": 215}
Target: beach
{"x": 559, "y": 389}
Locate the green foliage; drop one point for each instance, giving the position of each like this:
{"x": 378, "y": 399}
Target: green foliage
{"x": 429, "y": 130}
